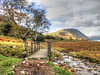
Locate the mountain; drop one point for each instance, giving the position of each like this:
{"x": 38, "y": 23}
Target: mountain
{"x": 95, "y": 37}
{"x": 69, "y": 33}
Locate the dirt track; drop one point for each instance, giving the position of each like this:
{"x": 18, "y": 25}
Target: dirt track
{"x": 34, "y": 67}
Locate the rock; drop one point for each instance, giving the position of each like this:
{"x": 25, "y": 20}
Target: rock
{"x": 14, "y": 46}
{"x": 89, "y": 69}
{"x": 95, "y": 63}
{"x": 99, "y": 69}
{"x": 79, "y": 72}
{"x": 68, "y": 62}
{"x": 82, "y": 64}
{"x": 42, "y": 62}
{"x": 74, "y": 59}
{"x": 27, "y": 63}
{"x": 87, "y": 63}
{"x": 69, "y": 67}
{"x": 13, "y": 66}
{"x": 69, "y": 70}
{"x": 95, "y": 68}
{"x": 80, "y": 61}
{"x": 38, "y": 65}
{"x": 73, "y": 70}
{"x": 95, "y": 73}
{"x": 77, "y": 66}
{"x": 13, "y": 72}
{"x": 60, "y": 64}
{"x": 39, "y": 58}
{"x": 81, "y": 69}
{"x": 26, "y": 58}
{"x": 66, "y": 67}
{"x": 11, "y": 46}
{"x": 23, "y": 62}
{"x": 62, "y": 59}
{"x": 22, "y": 72}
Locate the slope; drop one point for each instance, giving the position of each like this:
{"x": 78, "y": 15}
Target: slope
{"x": 69, "y": 33}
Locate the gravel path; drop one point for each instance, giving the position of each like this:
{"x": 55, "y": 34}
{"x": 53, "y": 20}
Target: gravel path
{"x": 40, "y": 54}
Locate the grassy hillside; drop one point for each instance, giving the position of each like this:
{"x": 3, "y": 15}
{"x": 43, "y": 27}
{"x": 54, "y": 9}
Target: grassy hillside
{"x": 69, "y": 34}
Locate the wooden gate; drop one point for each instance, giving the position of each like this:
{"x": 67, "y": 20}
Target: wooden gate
{"x": 33, "y": 47}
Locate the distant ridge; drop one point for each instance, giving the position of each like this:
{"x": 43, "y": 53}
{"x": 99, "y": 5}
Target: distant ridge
{"x": 77, "y": 33}
{"x": 95, "y": 37}
{"x": 69, "y": 33}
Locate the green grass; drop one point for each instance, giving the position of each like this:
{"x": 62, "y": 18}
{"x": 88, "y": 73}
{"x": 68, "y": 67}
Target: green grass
{"x": 6, "y": 64}
{"x": 59, "y": 71}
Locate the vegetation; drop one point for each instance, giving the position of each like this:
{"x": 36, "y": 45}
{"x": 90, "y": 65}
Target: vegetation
{"x": 40, "y": 37}
{"x": 59, "y": 71}
{"x": 84, "y": 49}
{"x": 6, "y": 64}
{"x": 55, "y": 55}
{"x": 12, "y": 49}
{"x": 50, "y": 37}
{"x": 29, "y": 21}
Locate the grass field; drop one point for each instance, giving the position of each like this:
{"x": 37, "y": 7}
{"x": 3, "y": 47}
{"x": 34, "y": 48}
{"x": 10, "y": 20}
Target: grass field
{"x": 84, "y": 49}
{"x": 6, "y": 64}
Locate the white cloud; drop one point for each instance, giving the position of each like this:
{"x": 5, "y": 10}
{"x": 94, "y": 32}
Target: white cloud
{"x": 81, "y": 14}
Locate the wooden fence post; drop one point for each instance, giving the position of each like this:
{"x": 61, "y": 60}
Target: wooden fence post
{"x": 39, "y": 45}
{"x": 49, "y": 50}
{"x": 32, "y": 47}
{"x": 36, "y": 46}
{"x": 27, "y": 48}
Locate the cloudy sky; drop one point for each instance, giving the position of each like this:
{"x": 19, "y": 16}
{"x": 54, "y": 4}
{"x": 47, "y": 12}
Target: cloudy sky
{"x": 83, "y": 15}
